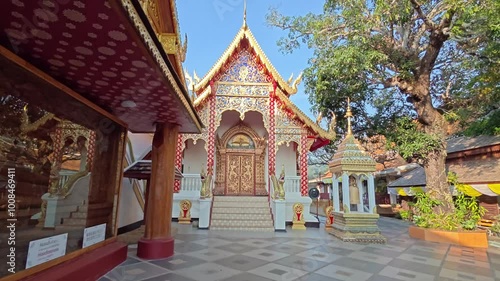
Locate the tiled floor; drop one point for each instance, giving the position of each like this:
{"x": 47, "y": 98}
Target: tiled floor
{"x": 309, "y": 255}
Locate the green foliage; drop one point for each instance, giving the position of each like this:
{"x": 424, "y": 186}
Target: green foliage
{"x": 406, "y": 138}
{"x": 495, "y": 228}
{"x": 425, "y": 213}
{"x": 486, "y": 126}
{"x": 405, "y": 215}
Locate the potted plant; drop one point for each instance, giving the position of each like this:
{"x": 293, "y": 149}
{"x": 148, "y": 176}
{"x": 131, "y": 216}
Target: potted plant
{"x": 457, "y": 227}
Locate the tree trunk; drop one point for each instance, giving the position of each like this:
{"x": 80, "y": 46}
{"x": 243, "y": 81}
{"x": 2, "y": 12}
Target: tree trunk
{"x": 433, "y": 124}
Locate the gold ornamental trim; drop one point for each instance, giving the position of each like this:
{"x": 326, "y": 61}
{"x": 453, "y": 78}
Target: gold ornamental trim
{"x": 245, "y": 32}
{"x": 136, "y": 19}
{"x": 330, "y": 134}
{"x": 169, "y": 42}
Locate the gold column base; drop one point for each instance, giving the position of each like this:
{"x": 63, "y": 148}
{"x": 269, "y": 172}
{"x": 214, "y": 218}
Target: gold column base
{"x": 299, "y": 225}
{"x": 184, "y": 220}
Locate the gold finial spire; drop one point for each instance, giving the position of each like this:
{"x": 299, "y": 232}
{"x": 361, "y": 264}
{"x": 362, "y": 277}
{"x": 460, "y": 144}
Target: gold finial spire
{"x": 348, "y": 115}
{"x": 245, "y": 13}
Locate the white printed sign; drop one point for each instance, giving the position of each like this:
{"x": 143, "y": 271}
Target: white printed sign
{"x": 46, "y": 249}
{"x": 93, "y": 235}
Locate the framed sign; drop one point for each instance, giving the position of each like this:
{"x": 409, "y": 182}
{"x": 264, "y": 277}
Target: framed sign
{"x": 93, "y": 235}
{"x": 46, "y": 249}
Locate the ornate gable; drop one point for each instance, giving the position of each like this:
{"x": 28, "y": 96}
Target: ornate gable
{"x": 244, "y": 69}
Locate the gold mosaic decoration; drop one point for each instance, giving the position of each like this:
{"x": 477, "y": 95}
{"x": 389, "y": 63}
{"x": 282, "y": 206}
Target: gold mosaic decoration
{"x": 242, "y": 105}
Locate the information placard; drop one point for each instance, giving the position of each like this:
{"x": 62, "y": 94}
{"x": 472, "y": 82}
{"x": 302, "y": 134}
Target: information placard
{"x": 46, "y": 249}
{"x": 93, "y": 235}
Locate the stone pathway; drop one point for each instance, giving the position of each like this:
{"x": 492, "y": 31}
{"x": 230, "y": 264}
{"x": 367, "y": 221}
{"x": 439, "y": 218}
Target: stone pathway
{"x": 206, "y": 255}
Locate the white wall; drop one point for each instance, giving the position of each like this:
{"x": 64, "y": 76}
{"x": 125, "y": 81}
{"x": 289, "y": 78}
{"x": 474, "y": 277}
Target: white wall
{"x": 195, "y": 157}
{"x": 286, "y": 155}
{"x": 129, "y": 210}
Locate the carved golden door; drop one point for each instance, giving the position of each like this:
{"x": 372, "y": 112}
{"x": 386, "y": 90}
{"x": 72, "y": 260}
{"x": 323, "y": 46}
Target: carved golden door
{"x": 240, "y": 174}
{"x": 240, "y": 163}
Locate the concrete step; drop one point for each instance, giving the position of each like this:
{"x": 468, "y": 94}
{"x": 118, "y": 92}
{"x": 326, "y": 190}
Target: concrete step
{"x": 241, "y": 223}
{"x": 240, "y": 199}
{"x": 236, "y": 210}
{"x": 78, "y": 215}
{"x": 246, "y": 229}
{"x": 243, "y": 216}
{"x": 74, "y": 222}
{"x": 242, "y": 204}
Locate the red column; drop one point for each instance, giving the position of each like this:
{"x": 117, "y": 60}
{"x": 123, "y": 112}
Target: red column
{"x": 157, "y": 242}
{"x": 272, "y": 130}
{"x": 178, "y": 162}
{"x": 211, "y": 130}
{"x": 303, "y": 164}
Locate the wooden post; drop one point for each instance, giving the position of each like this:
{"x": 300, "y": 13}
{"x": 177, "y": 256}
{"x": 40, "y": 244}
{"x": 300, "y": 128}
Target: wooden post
{"x": 157, "y": 242}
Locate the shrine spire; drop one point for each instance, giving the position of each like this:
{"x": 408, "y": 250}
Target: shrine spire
{"x": 348, "y": 115}
{"x": 245, "y": 14}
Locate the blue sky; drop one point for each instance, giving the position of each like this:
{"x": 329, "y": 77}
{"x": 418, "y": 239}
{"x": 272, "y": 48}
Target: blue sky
{"x": 211, "y": 26}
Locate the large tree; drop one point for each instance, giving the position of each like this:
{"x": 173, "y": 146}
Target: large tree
{"x": 398, "y": 53}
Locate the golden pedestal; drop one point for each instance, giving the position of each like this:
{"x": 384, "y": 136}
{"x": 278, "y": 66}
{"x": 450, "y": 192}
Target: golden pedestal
{"x": 185, "y": 213}
{"x": 298, "y": 217}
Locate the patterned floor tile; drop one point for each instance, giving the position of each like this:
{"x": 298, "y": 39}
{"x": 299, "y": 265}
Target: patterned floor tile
{"x": 278, "y": 272}
{"x": 467, "y": 261}
{"x": 301, "y": 263}
{"x": 406, "y": 275}
{"x": 316, "y": 277}
{"x": 241, "y": 262}
{"x": 266, "y": 255}
{"x": 188, "y": 247}
{"x": 208, "y": 272}
{"x": 169, "y": 277}
{"x": 258, "y": 243}
{"x": 416, "y": 266}
{"x": 321, "y": 256}
{"x": 210, "y": 254}
{"x": 420, "y": 259}
{"x": 305, "y": 243}
{"x": 137, "y": 271}
{"x": 288, "y": 249}
{"x": 213, "y": 242}
{"x": 370, "y": 257}
{"x": 381, "y": 252}
{"x": 366, "y": 266}
{"x": 246, "y": 277}
{"x": 461, "y": 276}
{"x": 178, "y": 262}
{"x": 236, "y": 248}
{"x": 344, "y": 273}
{"x": 467, "y": 268}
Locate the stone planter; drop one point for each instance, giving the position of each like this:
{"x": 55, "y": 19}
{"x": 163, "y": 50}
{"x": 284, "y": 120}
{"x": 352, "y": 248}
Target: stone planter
{"x": 474, "y": 239}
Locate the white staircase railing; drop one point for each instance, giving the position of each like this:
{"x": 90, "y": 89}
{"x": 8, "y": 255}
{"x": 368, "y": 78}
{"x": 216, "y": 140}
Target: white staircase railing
{"x": 191, "y": 182}
{"x": 64, "y": 176}
{"x": 292, "y": 184}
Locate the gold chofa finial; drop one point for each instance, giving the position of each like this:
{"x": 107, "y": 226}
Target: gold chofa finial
{"x": 245, "y": 14}
{"x": 348, "y": 115}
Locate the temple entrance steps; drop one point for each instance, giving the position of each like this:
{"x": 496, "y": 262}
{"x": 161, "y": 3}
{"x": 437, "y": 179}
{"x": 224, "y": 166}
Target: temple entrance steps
{"x": 241, "y": 213}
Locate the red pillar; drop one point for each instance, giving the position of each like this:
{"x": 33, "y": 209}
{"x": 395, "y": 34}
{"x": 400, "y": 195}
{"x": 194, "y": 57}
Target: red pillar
{"x": 178, "y": 162}
{"x": 157, "y": 242}
{"x": 304, "y": 149}
{"x": 272, "y": 131}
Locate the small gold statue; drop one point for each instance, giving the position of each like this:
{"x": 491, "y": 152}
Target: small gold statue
{"x": 329, "y": 217}
{"x": 298, "y": 217}
{"x": 185, "y": 213}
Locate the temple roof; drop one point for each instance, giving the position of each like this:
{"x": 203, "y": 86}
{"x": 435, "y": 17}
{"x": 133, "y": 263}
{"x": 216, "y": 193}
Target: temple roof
{"x": 245, "y": 33}
{"x": 351, "y": 157}
{"x": 100, "y": 53}
{"x": 244, "y": 37}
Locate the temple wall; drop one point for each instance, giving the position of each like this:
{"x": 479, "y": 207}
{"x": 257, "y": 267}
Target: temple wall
{"x": 195, "y": 157}
{"x": 286, "y": 156}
